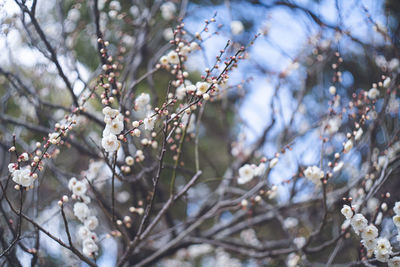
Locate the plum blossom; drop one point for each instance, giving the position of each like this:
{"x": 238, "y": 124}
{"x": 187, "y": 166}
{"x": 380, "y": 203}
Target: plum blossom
{"x": 167, "y": 10}
{"x": 314, "y": 174}
{"x": 79, "y": 188}
{"x": 260, "y": 169}
{"x": 370, "y": 232}
{"x": 91, "y": 223}
{"x": 347, "y": 211}
{"x": 358, "y": 222}
{"x": 237, "y": 27}
{"x": 394, "y": 262}
{"x": 81, "y": 211}
{"x": 373, "y": 93}
{"x": 273, "y": 162}
{"x": 23, "y": 176}
{"x": 383, "y": 249}
{"x": 202, "y": 87}
{"x": 347, "y": 146}
{"x": 110, "y": 143}
{"x": 149, "y": 122}
{"x": 84, "y": 232}
{"x": 89, "y": 247}
{"x": 173, "y": 57}
{"x": 358, "y": 134}
{"x": 71, "y": 183}
{"x": 246, "y": 173}
{"x": 142, "y": 101}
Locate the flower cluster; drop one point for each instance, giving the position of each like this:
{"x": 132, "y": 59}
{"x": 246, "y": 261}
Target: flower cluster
{"x": 314, "y": 174}
{"x": 247, "y": 172}
{"x": 114, "y": 125}
{"x": 380, "y": 247}
{"x": 82, "y": 212}
{"x": 22, "y": 176}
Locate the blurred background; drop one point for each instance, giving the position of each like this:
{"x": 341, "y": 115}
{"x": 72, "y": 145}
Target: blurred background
{"x": 277, "y": 101}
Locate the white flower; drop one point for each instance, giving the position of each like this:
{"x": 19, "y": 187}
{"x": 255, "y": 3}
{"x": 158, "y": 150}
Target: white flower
{"x": 202, "y": 87}
{"x": 314, "y": 174}
{"x": 79, "y": 188}
{"x": 332, "y": 125}
{"x": 246, "y": 173}
{"x": 149, "y": 123}
{"x": 338, "y": 167}
{"x": 386, "y": 82}
{"x": 129, "y": 160}
{"x": 185, "y": 50}
{"x": 91, "y": 222}
{"x": 191, "y": 88}
{"x": 273, "y": 162}
{"x": 167, "y": 10}
{"x": 12, "y": 167}
{"x": 358, "y": 134}
{"x": 372, "y": 204}
{"x": 332, "y": 90}
{"x": 180, "y": 92}
{"x": 24, "y": 156}
{"x": 119, "y": 118}
{"x": 347, "y": 146}
{"x": 373, "y": 93}
{"x": 23, "y": 177}
{"x": 370, "y": 232}
{"x": 54, "y": 138}
{"x": 237, "y": 27}
{"x": 115, "y": 127}
{"x": 85, "y": 199}
{"x": 142, "y": 101}
{"x": 107, "y": 131}
{"x": 73, "y": 14}
{"x": 194, "y": 46}
{"x": 112, "y": 113}
{"x": 71, "y": 183}
{"x": 168, "y": 34}
{"x": 369, "y": 243}
{"x": 110, "y": 143}
{"x": 89, "y": 247}
{"x": 358, "y": 222}
{"x": 396, "y": 220}
{"x": 396, "y": 208}
{"x": 379, "y": 218}
{"x": 81, "y": 211}
{"x": 260, "y": 169}
{"x": 345, "y": 224}
{"x": 83, "y": 233}
{"x": 382, "y": 257}
{"x": 347, "y": 211}
{"x": 394, "y": 262}
{"x": 115, "y": 5}
{"x": 299, "y": 241}
{"x": 173, "y": 57}
{"x": 292, "y": 260}
{"x": 139, "y": 155}
{"x": 383, "y": 247}
{"x": 164, "y": 60}
{"x": 290, "y": 222}
{"x": 273, "y": 192}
